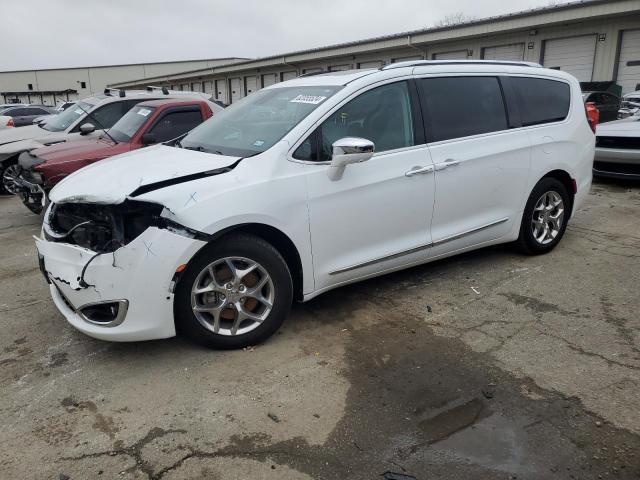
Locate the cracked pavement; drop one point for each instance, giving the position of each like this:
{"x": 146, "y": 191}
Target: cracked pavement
{"x": 489, "y": 365}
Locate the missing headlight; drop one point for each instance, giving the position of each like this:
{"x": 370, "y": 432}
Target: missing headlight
{"x": 101, "y": 228}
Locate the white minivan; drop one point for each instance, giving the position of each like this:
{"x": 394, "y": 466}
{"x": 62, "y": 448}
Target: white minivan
{"x": 311, "y": 184}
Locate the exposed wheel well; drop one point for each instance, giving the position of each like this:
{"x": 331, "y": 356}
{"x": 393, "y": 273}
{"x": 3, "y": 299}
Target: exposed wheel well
{"x": 281, "y": 242}
{"x": 566, "y": 180}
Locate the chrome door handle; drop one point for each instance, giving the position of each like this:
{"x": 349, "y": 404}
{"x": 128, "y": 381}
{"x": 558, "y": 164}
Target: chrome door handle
{"x": 447, "y": 164}
{"x": 419, "y": 171}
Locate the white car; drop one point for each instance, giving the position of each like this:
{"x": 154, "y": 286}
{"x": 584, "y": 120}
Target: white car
{"x": 311, "y": 184}
{"x": 618, "y": 149}
{"x": 87, "y": 118}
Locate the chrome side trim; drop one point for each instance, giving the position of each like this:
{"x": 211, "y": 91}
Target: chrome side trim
{"x": 469, "y": 232}
{"x": 418, "y": 249}
{"x": 381, "y": 259}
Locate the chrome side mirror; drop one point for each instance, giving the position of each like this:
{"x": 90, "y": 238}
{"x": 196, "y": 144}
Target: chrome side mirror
{"x": 347, "y": 151}
{"x": 87, "y": 128}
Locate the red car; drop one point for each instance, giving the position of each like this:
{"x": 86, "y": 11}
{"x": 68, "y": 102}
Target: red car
{"x": 147, "y": 123}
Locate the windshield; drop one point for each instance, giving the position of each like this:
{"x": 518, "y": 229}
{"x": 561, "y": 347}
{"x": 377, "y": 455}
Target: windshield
{"x": 65, "y": 119}
{"x": 257, "y": 122}
{"x": 128, "y": 125}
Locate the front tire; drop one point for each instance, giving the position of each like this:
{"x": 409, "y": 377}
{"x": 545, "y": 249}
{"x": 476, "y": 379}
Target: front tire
{"x": 8, "y": 171}
{"x": 545, "y": 217}
{"x": 235, "y": 293}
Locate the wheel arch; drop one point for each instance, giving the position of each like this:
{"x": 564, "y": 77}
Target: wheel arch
{"x": 280, "y": 241}
{"x": 569, "y": 183}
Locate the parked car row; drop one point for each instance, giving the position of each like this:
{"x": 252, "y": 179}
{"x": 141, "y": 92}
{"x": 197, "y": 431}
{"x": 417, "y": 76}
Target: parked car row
{"x": 300, "y": 188}
{"x": 87, "y": 118}
{"x": 22, "y": 115}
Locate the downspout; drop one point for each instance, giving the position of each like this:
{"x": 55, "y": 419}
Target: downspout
{"x": 410, "y": 44}
{"x": 284, "y": 62}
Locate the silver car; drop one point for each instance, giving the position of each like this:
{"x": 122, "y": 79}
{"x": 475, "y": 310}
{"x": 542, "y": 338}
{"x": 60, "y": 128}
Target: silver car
{"x": 618, "y": 149}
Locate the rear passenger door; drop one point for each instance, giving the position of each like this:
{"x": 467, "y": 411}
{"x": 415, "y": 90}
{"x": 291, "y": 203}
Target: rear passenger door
{"x": 481, "y": 160}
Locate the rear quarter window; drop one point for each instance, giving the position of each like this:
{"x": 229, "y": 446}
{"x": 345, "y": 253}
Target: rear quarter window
{"x": 541, "y": 100}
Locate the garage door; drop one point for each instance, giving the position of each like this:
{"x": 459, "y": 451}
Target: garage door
{"x": 289, "y": 76}
{"x": 573, "y": 55}
{"x": 629, "y": 65}
{"x": 504, "y": 52}
{"x": 196, "y": 87}
{"x": 339, "y": 68}
{"x": 208, "y": 87}
{"x": 221, "y": 91}
{"x": 236, "y": 89}
{"x": 251, "y": 84}
{"x": 376, "y": 64}
{"x": 456, "y": 55}
{"x": 412, "y": 58}
{"x": 269, "y": 79}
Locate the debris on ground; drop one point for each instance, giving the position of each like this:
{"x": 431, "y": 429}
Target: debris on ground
{"x": 273, "y": 417}
{"x": 397, "y": 476}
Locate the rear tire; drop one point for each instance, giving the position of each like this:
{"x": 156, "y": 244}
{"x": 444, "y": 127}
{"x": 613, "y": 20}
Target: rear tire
{"x": 235, "y": 293}
{"x": 545, "y": 217}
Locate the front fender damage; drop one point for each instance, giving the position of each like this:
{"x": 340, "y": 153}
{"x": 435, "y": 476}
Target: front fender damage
{"x": 98, "y": 230}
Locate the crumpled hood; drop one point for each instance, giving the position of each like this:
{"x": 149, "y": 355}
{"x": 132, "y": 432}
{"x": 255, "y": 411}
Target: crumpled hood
{"x": 627, "y": 127}
{"x": 112, "y": 180}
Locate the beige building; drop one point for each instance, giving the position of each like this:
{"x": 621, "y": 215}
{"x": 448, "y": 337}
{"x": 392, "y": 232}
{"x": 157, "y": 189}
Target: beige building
{"x": 50, "y": 86}
{"x": 595, "y": 40}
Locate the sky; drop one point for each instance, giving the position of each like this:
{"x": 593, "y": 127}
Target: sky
{"x": 69, "y": 33}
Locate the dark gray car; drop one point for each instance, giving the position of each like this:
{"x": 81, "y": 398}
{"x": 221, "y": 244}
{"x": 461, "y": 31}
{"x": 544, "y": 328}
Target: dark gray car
{"x": 607, "y": 104}
{"x": 24, "y": 115}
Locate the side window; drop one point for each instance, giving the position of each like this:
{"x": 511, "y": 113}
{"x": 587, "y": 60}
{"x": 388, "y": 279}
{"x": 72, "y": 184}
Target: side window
{"x": 542, "y": 101}
{"x": 107, "y": 115}
{"x": 382, "y": 115}
{"x": 457, "y": 107}
{"x": 174, "y": 124}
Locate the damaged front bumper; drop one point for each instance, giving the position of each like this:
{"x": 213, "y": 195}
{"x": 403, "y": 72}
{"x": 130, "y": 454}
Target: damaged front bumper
{"x": 122, "y": 295}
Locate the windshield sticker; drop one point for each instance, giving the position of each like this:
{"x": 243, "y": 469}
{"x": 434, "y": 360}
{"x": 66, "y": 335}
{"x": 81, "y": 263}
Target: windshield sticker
{"x": 258, "y": 143}
{"x": 311, "y": 99}
{"x": 144, "y": 112}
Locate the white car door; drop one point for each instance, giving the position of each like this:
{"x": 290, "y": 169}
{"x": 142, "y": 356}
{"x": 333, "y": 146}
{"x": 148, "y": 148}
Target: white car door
{"x": 376, "y": 216}
{"x": 481, "y": 160}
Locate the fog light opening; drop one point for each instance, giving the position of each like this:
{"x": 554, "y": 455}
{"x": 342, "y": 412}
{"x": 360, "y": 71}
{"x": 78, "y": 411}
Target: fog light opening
{"x": 105, "y": 314}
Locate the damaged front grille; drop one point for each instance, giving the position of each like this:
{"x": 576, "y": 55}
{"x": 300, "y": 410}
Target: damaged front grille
{"x": 101, "y": 228}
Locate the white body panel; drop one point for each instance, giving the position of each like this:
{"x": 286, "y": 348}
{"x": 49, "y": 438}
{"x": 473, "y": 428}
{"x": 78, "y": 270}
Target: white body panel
{"x": 372, "y": 220}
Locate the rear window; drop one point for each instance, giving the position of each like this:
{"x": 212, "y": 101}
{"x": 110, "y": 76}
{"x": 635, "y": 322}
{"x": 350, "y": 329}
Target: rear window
{"x": 542, "y": 101}
{"x": 459, "y": 107}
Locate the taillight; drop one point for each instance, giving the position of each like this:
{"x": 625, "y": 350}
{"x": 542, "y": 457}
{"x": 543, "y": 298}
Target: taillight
{"x": 593, "y": 115}
{"x": 10, "y": 123}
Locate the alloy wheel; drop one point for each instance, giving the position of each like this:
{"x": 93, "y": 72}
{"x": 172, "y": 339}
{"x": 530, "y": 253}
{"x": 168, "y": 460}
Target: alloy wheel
{"x": 232, "y": 296}
{"x": 9, "y": 176}
{"x": 548, "y": 217}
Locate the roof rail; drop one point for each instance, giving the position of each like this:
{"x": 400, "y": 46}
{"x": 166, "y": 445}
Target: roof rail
{"x": 109, "y": 91}
{"x": 427, "y": 63}
{"x": 151, "y": 88}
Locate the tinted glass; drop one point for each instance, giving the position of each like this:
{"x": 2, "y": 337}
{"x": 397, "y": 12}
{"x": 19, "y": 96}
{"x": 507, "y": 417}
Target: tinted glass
{"x": 107, "y": 116}
{"x": 382, "y": 115}
{"x": 542, "y": 101}
{"x": 128, "y": 125}
{"x": 458, "y": 107}
{"x": 611, "y": 99}
{"x": 255, "y": 123}
{"x": 174, "y": 124}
